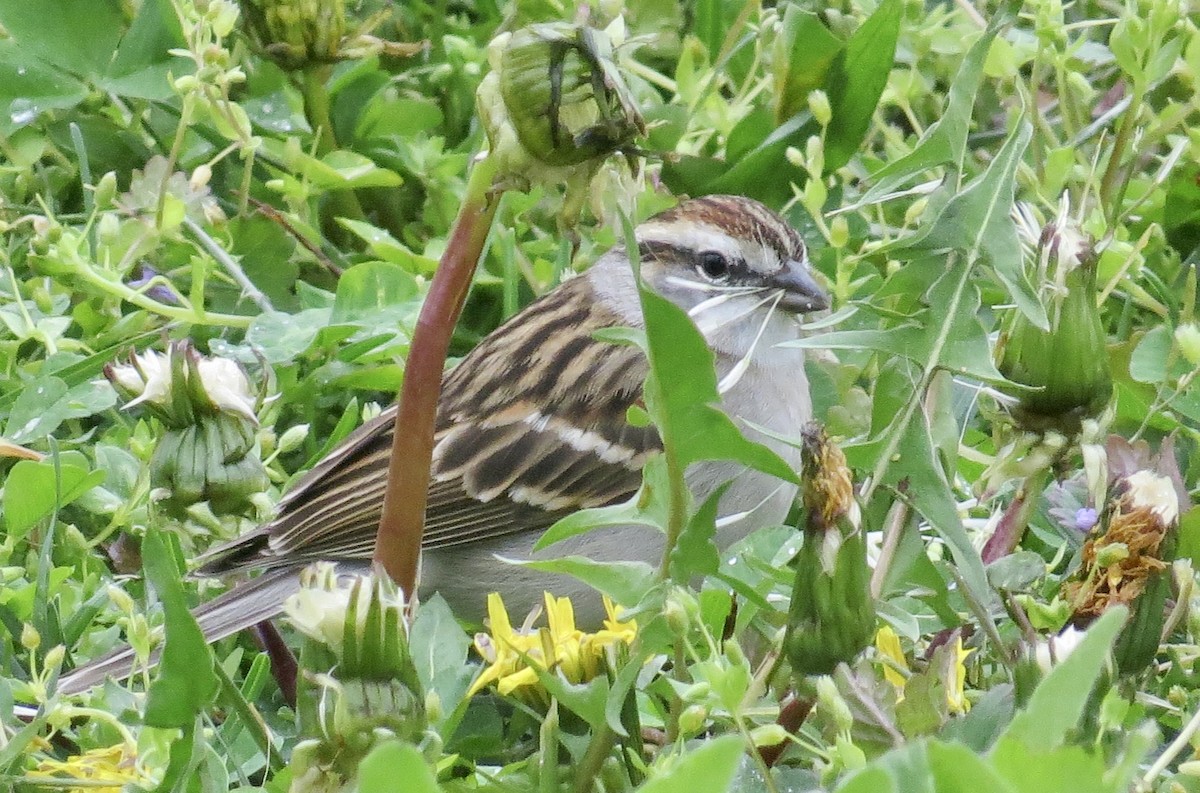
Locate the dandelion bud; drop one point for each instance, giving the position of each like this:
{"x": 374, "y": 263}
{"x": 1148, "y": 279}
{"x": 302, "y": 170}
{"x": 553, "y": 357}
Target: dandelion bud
{"x": 1067, "y": 364}
{"x": 555, "y": 97}
{"x": 296, "y": 33}
{"x": 293, "y": 438}
{"x": 30, "y": 638}
{"x": 207, "y": 451}
{"x": 832, "y": 616}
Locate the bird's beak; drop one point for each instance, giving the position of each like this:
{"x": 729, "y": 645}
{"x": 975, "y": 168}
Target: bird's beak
{"x": 801, "y": 292}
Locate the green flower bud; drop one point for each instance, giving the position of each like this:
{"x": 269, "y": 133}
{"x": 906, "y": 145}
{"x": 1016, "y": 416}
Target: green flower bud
{"x": 1188, "y": 338}
{"x": 106, "y": 190}
{"x": 1066, "y": 364}
{"x": 818, "y": 105}
{"x": 693, "y": 720}
{"x": 296, "y": 33}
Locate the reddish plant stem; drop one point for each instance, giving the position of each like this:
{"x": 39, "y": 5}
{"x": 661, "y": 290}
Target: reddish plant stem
{"x": 398, "y": 543}
{"x": 792, "y": 712}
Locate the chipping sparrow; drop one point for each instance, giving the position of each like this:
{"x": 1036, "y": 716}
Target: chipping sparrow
{"x": 532, "y": 425}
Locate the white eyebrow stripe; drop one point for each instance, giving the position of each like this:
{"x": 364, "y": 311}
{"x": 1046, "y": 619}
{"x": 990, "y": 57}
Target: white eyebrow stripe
{"x": 690, "y": 236}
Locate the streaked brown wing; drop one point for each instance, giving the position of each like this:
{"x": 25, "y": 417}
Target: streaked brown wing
{"x": 509, "y": 456}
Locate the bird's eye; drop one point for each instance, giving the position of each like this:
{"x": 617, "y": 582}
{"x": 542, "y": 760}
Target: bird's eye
{"x": 713, "y": 266}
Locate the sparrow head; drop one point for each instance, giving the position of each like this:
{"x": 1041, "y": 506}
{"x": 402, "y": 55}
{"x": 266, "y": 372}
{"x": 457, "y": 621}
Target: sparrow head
{"x": 728, "y": 246}
{"x": 736, "y": 267}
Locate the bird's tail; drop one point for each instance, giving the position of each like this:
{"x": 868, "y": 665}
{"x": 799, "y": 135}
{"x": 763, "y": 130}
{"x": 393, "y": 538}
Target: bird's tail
{"x": 246, "y": 604}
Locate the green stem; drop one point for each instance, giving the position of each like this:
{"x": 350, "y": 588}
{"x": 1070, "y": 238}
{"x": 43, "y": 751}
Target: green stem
{"x": 398, "y": 542}
{"x": 249, "y": 716}
{"x": 599, "y": 748}
{"x": 1109, "y": 183}
{"x": 342, "y": 203}
{"x": 194, "y": 316}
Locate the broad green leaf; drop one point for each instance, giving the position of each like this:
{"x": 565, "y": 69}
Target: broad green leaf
{"x": 709, "y": 769}
{"x": 857, "y": 80}
{"x": 56, "y": 32}
{"x": 43, "y": 404}
{"x": 29, "y": 87}
{"x": 957, "y": 769}
{"x": 1151, "y": 356}
{"x": 871, "y": 779}
{"x": 32, "y": 490}
{"x": 143, "y": 65}
{"x": 902, "y": 770}
{"x": 1063, "y": 769}
{"x": 624, "y": 582}
{"x": 186, "y": 683}
{"x": 1059, "y": 700}
{"x": 396, "y": 763}
{"x": 804, "y": 52}
{"x": 588, "y": 701}
{"x": 372, "y": 288}
{"x": 280, "y": 337}
{"x": 439, "y": 647}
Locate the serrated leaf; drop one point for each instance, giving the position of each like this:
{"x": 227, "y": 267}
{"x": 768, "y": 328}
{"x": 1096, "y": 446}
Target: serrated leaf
{"x": 945, "y": 141}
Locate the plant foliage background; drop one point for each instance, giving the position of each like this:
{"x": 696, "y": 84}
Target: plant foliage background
{"x": 167, "y": 173}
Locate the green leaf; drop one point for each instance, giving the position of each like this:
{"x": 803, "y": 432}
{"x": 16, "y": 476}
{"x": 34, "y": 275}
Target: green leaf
{"x": 438, "y": 646}
{"x": 1065, "y": 769}
{"x": 28, "y": 88}
{"x": 957, "y": 769}
{"x": 856, "y": 81}
{"x": 1059, "y": 700}
{"x": 33, "y": 490}
{"x": 143, "y": 65}
{"x": 386, "y": 247}
{"x": 370, "y": 289}
{"x": 624, "y": 582}
{"x": 695, "y": 554}
{"x": 44, "y": 404}
{"x": 709, "y": 769}
{"x": 803, "y": 55}
{"x": 55, "y": 32}
{"x": 186, "y": 683}
{"x": 945, "y": 141}
{"x": 976, "y": 221}
{"x": 394, "y": 762}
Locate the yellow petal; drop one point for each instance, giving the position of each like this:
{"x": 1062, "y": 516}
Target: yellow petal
{"x": 888, "y": 645}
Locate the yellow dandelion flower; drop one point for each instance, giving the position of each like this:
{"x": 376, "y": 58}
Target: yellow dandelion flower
{"x": 103, "y": 770}
{"x": 514, "y": 657}
{"x": 895, "y": 668}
